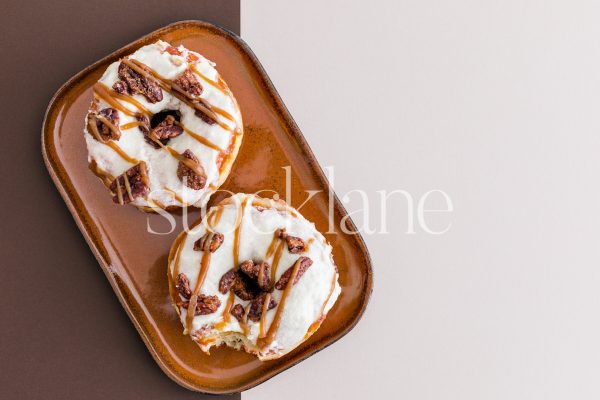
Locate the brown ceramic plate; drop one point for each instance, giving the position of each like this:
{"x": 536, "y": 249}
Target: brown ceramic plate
{"x": 135, "y": 261}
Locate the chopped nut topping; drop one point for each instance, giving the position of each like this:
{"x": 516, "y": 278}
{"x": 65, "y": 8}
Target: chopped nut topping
{"x": 238, "y": 312}
{"x": 259, "y": 272}
{"x": 209, "y": 242}
{"x": 244, "y": 288}
{"x": 182, "y": 284}
{"x": 188, "y": 83}
{"x": 240, "y": 284}
{"x": 144, "y": 125}
{"x": 305, "y": 263}
{"x": 248, "y": 281}
{"x": 227, "y": 281}
{"x": 137, "y": 83}
{"x": 205, "y": 304}
{"x": 130, "y": 185}
{"x": 164, "y": 131}
{"x": 120, "y": 87}
{"x": 256, "y": 307}
{"x": 107, "y": 124}
{"x": 195, "y": 177}
{"x": 204, "y": 111}
{"x": 295, "y": 244}
{"x": 173, "y": 51}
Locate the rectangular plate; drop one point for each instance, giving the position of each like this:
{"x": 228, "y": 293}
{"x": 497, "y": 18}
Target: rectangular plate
{"x": 135, "y": 261}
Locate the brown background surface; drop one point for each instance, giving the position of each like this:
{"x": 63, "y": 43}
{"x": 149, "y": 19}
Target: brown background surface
{"x": 64, "y": 333}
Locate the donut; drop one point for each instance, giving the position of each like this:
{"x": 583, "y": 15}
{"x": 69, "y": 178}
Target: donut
{"x": 253, "y": 274}
{"x": 163, "y": 128}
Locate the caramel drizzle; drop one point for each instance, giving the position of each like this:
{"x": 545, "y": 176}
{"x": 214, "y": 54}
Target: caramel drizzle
{"x": 217, "y": 85}
{"x": 236, "y": 255}
{"x": 220, "y": 86}
{"x": 175, "y": 196}
{"x": 127, "y": 188}
{"x": 222, "y": 154}
{"x": 268, "y": 338}
{"x": 178, "y": 245}
{"x": 120, "y": 152}
{"x": 315, "y": 325}
{"x": 244, "y": 323}
{"x": 263, "y": 316}
{"x": 110, "y": 143}
{"x": 110, "y": 96}
{"x": 207, "y": 341}
{"x": 199, "y": 138}
{"x": 223, "y": 113}
{"x": 215, "y": 216}
{"x": 100, "y": 173}
{"x": 130, "y": 125}
{"x": 191, "y": 164}
{"x": 274, "y": 242}
{"x": 204, "y": 263}
{"x": 236, "y": 235}
{"x": 178, "y": 92}
{"x": 159, "y": 204}
{"x": 106, "y": 122}
{"x": 220, "y": 325}
{"x": 275, "y": 248}
{"x": 194, "y": 299}
{"x": 276, "y": 259}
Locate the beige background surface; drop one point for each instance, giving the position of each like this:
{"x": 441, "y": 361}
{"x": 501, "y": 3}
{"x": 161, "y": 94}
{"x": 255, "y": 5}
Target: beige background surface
{"x": 496, "y": 104}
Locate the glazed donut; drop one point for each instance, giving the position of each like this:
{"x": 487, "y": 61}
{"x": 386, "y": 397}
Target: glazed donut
{"x": 253, "y": 274}
{"x": 163, "y": 129}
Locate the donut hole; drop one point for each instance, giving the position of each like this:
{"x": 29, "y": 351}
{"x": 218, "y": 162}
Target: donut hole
{"x": 161, "y": 116}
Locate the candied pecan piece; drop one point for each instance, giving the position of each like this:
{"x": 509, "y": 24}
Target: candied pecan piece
{"x": 188, "y": 83}
{"x": 246, "y": 266}
{"x": 173, "y": 51}
{"x": 144, "y": 125}
{"x": 163, "y": 132}
{"x": 182, "y": 284}
{"x": 137, "y": 83}
{"x": 211, "y": 241}
{"x": 256, "y": 306}
{"x": 305, "y": 262}
{"x": 227, "y": 281}
{"x": 260, "y": 272}
{"x": 205, "y": 304}
{"x": 120, "y": 87}
{"x": 294, "y": 244}
{"x": 107, "y": 124}
{"x": 190, "y": 171}
{"x": 238, "y": 312}
{"x": 204, "y": 111}
{"x": 244, "y": 288}
{"x": 131, "y": 184}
